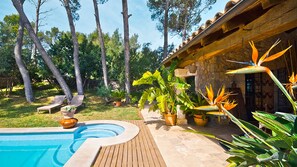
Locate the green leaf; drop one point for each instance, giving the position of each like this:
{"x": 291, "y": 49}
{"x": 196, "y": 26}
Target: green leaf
{"x": 270, "y": 156}
{"x": 234, "y": 161}
{"x": 294, "y": 130}
{"x": 273, "y": 122}
{"x": 253, "y": 143}
{"x": 292, "y": 157}
{"x": 147, "y": 78}
{"x": 261, "y": 134}
{"x": 143, "y": 99}
{"x": 283, "y": 142}
{"x": 162, "y": 103}
{"x": 287, "y": 116}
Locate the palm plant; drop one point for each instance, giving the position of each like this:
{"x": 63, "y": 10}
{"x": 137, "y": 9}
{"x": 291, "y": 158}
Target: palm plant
{"x": 162, "y": 91}
{"x": 257, "y": 147}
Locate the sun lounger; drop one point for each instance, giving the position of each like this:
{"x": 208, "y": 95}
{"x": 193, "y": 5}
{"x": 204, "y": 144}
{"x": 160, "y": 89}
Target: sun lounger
{"x": 76, "y": 101}
{"x": 58, "y": 101}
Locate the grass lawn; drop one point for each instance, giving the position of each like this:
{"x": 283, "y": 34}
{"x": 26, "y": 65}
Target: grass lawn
{"x": 16, "y": 112}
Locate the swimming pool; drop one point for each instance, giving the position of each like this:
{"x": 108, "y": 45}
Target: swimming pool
{"x": 56, "y": 146}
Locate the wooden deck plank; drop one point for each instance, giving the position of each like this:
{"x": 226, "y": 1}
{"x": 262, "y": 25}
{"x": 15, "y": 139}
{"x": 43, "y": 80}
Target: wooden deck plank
{"x": 129, "y": 153}
{"x": 100, "y": 157}
{"x": 110, "y": 156}
{"x": 142, "y": 145}
{"x": 120, "y": 155}
{"x": 115, "y": 155}
{"x": 134, "y": 154}
{"x": 138, "y": 152}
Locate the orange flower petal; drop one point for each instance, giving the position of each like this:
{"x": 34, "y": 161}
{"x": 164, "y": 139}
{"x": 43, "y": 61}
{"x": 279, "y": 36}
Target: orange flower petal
{"x": 255, "y": 52}
{"x": 292, "y": 78}
{"x": 220, "y": 95}
{"x": 261, "y": 60}
{"x": 228, "y": 105}
{"x": 277, "y": 55}
{"x": 210, "y": 93}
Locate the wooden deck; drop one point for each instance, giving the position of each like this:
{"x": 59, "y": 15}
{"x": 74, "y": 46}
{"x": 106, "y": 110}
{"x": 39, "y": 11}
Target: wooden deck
{"x": 139, "y": 152}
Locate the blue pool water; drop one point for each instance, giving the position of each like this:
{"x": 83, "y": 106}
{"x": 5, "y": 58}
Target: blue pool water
{"x": 49, "y": 149}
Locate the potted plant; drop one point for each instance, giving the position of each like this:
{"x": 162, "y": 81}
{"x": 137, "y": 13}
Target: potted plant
{"x": 117, "y": 95}
{"x": 161, "y": 92}
{"x": 194, "y": 106}
{"x": 68, "y": 111}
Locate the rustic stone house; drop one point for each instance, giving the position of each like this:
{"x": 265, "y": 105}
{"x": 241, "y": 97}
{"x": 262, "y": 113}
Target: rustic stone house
{"x": 226, "y": 37}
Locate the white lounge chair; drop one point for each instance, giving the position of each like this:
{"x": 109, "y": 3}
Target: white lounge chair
{"x": 58, "y": 101}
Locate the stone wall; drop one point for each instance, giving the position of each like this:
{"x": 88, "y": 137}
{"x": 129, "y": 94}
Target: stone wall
{"x": 213, "y": 70}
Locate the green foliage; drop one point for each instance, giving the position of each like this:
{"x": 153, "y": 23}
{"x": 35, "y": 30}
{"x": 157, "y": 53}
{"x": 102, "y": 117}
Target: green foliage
{"x": 182, "y": 15}
{"x": 189, "y": 102}
{"x": 118, "y": 94}
{"x": 162, "y": 88}
{"x": 59, "y": 47}
{"x": 104, "y": 92}
{"x": 187, "y": 14}
{"x": 276, "y": 149}
{"x": 68, "y": 108}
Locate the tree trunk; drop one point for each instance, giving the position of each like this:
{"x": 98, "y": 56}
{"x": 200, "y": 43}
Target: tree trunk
{"x": 165, "y": 25}
{"x": 18, "y": 58}
{"x": 127, "y": 49}
{"x": 79, "y": 86}
{"x": 184, "y": 34}
{"x": 33, "y": 52}
{"x": 101, "y": 40}
{"x": 45, "y": 57}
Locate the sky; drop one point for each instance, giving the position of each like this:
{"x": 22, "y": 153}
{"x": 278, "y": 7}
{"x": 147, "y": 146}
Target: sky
{"x": 110, "y": 17}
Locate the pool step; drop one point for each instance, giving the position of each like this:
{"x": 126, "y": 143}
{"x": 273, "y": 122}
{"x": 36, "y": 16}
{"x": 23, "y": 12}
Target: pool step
{"x": 96, "y": 133}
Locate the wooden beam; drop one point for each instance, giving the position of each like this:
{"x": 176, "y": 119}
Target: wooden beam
{"x": 183, "y": 54}
{"x": 278, "y": 19}
{"x": 243, "y": 19}
{"x": 269, "y": 3}
{"x": 212, "y": 37}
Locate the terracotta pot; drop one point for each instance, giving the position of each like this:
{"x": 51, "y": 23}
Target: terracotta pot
{"x": 68, "y": 123}
{"x": 67, "y": 114}
{"x": 198, "y": 119}
{"x": 117, "y": 103}
{"x": 170, "y": 119}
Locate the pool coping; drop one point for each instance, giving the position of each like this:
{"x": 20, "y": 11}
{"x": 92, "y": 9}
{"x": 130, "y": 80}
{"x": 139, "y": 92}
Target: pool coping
{"x": 88, "y": 151}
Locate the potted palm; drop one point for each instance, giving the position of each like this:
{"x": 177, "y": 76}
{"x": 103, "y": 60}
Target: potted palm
{"x": 192, "y": 107}
{"x": 117, "y": 95}
{"x": 68, "y": 111}
{"x": 161, "y": 92}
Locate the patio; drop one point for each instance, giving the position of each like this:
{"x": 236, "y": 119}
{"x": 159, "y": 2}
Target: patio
{"x": 161, "y": 145}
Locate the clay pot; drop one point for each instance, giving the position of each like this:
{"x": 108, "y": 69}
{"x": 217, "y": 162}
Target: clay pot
{"x": 198, "y": 119}
{"x": 117, "y": 103}
{"x": 170, "y": 119}
{"x": 68, "y": 123}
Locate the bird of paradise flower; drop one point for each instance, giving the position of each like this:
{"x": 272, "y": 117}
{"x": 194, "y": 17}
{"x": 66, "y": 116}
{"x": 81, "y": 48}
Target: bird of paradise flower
{"x": 255, "y": 66}
{"x": 215, "y": 103}
{"x": 292, "y": 85}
